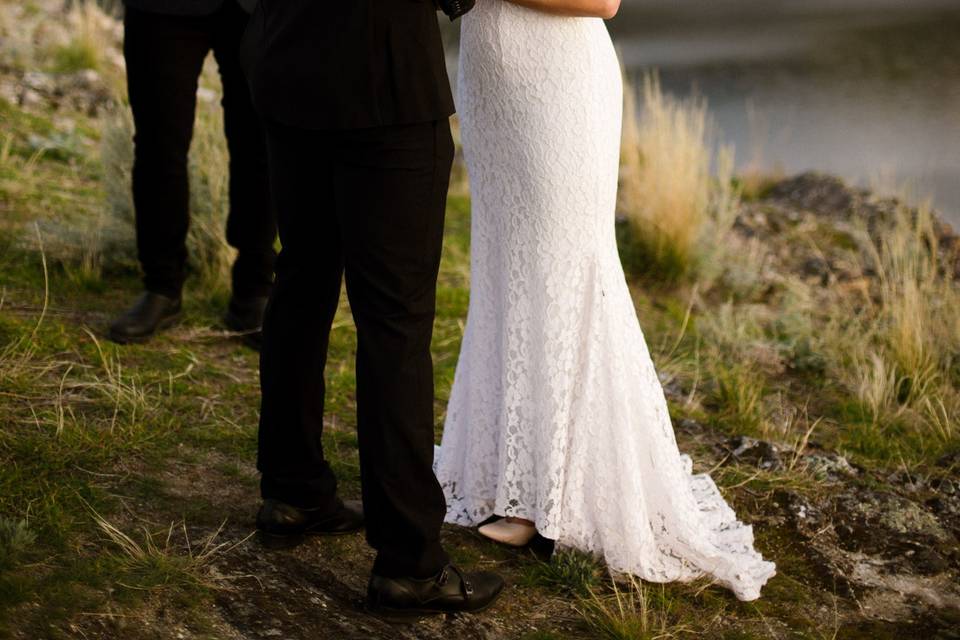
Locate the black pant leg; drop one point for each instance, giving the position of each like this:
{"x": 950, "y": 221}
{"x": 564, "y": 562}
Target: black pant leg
{"x": 164, "y": 56}
{"x": 391, "y": 185}
{"x": 298, "y": 318}
{"x": 251, "y": 225}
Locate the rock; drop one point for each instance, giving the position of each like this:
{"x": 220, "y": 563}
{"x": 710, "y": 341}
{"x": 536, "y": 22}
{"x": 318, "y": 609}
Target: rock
{"x": 904, "y": 480}
{"x": 925, "y": 560}
{"x": 689, "y": 425}
{"x": 829, "y": 466}
{"x": 40, "y": 82}
{"x": 756, "y": 452}
{"x": 816, "y": 266}
{"x": 807, "y": 518}
{"x": 9, "y": 91}
{"x": 87, "y": 78}
{"x": 815, "y": 192}
{"x": 31, "y": 99}
{"x": 950, "y": 460}
{"x": 945, "y": 486}
{"x": 824, "y": 209}
{"x": 84, "y": 91}
{"x": 892, "y": 527}
{"x": 945, "y": 502}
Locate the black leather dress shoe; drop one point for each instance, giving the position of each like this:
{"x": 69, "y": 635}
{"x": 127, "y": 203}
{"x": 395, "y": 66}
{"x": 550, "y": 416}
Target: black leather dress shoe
{"x": 281, "y": 526}
{"x": 245, "y": 315}
{"x": 450, "y": 591}
{"x": 149, "y": 314}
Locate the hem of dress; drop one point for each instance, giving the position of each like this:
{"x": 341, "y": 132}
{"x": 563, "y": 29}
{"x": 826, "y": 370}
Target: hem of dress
{"x": 731, "y": 538}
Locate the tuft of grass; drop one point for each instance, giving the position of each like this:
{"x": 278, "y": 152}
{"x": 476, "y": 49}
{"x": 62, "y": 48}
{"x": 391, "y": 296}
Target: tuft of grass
{"x": 628, "y": 613}
{"x": 76, "y": 56}
{"x": 739, "y": 393}
{"x": 568, "y": 572}
{"x": 89, "y": 28}
{"x": 897, "y": 353}
{"x": 157, "y": 562}
{"x": 678, "y": 214}
{"x": 737, "y": 354}
{"x": 17, "y": 538}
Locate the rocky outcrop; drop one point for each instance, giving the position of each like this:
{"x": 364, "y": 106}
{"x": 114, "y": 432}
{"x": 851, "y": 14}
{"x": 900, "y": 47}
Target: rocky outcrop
{"x": 835, "y": 209}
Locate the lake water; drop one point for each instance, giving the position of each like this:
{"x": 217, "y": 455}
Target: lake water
{"x": 865, "y": 89}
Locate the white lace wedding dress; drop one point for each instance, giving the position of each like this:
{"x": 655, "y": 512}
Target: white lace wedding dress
{"x": 556, "y": 413}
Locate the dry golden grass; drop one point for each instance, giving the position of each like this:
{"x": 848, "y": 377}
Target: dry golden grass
{"x": 89, "y": 29}
{"x": 896, "y": 350}
{"x": 891, "y": 348}
{"x": 158, "y": 561}
{"x": 679, "y": 213}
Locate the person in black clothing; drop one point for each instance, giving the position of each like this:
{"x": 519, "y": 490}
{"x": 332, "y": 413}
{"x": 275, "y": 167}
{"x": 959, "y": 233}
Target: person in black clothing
{"x": 356, "y": 103}
{"x": 165, "y": 44}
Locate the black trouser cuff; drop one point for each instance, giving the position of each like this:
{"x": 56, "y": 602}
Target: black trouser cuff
{"x": 407, "y": 562}
{"x": 300, "y": 493}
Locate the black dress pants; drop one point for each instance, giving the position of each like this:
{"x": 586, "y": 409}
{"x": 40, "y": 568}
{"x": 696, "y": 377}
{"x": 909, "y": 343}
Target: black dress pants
{"x": 164, "y": 56}
{"x": 367, "y": 205}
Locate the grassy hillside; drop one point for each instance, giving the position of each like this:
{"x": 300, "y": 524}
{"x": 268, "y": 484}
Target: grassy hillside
{"x": 806, "y": 334}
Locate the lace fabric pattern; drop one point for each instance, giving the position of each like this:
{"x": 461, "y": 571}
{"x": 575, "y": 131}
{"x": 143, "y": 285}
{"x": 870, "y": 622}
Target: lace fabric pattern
{"x": 556, "y": 413}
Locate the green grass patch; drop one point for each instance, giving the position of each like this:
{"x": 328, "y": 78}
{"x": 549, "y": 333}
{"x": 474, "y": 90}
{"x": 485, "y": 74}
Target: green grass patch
{"x": 568, "y": 572}
{"x": 76, "y": 56}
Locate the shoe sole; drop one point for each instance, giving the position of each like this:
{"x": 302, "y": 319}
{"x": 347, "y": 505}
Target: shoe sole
{"x": 408, "y": 616}
{"x": 280, "y": 541}
{"x": 166, "y": 323}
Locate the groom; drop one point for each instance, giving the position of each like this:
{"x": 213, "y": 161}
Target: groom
{"x": 355, "y": 101}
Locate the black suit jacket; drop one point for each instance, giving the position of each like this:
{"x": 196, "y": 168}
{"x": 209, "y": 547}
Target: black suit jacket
{"x": 185, "y": 7}
{"x": 346, "y": 64}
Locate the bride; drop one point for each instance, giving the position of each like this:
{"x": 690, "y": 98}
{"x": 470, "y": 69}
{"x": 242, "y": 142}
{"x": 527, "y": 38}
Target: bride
{"x": 557, "y": 421}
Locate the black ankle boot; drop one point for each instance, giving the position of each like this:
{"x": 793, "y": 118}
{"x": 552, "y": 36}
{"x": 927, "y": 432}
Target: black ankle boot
{"x": 245, "y": 315}
{"x": 149, "y": 314}
{"x": 450, "y": 591}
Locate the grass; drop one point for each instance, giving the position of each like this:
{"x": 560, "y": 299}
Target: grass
{"x": 77, "y": 416}
{"x": 630, "y": 612}
{"x": 79, "y": 36}
{"x": 875, "y": 365}
{"x": 677, "y": 212}
{"x": 568, "y": 572}
{"x": 107, "y": 453}
{"x": 84, "y": 50}
{"x": 894, "y": 348}
{"x": 917, "y": 316}
{"x": 16, "y": 541}
{"x": 158, "y": 562}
